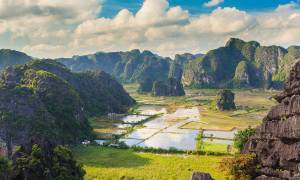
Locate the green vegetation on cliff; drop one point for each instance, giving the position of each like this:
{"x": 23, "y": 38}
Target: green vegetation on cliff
{"x": 38, "y": 162}
{"x": 241, "y": 64}
{"x": 131, "y": 66}
{"x": 49, "y": 102}
{"x": 10, "y": 57}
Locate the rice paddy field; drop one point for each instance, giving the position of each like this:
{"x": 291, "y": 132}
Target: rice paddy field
{"x": 171, "y": 123}
{"x": 114, "y": 164}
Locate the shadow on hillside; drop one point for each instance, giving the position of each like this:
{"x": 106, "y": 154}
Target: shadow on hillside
{"x": 97, "y": 156}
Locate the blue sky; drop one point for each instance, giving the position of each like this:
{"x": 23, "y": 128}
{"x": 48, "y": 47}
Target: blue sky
{"x": 195, "y": 7}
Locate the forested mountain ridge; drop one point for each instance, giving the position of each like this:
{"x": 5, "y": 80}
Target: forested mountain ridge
{"x": 44, "y": 100}
{"x": 241, "y": 64}
{"x": 11, "y": 57}
{"x": 238, "y": 64}
{"x": 130, "y": 66}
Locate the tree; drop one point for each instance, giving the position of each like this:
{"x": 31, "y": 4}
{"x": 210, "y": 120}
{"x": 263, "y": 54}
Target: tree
{"x": 242, "y": 137}
{"x": 239, "y": 167}
{"x": 46, "y": 163}
{"x": 7, "y": 129}
{"x": 224, "y": 100}
{"x": 145, "y": 85}
{"x": 5, "y": 169}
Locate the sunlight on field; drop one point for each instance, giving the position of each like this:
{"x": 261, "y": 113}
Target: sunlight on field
{"x": 221, "y": 121}
{"x": 108, "y": 163}
{"x": 258, "y": 101}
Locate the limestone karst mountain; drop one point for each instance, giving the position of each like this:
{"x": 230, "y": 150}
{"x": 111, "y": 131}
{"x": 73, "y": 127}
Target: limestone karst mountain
{"x": 277, "y": 141}
{"x": 238, "y": 64}
{"x": 44, "y": 99}
{"x": 241, "y": 64}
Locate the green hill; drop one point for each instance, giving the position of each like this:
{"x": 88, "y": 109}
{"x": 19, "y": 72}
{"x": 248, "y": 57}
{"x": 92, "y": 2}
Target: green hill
{"x": 241, "y": 64}
{"x": 44, "y": 100}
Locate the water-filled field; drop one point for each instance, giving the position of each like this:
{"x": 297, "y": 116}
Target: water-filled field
{"x": 172, "y": 122}
{"x": 165, "y": 132}
{"x": 176, "y": 122}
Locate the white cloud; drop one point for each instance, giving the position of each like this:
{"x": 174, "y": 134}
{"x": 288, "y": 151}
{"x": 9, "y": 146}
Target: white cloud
{"x": 44, "y": 50}
{"x": 45, "y": 21}
{"x": 222, "y": 21}
{"x": 212, "y": 3}
{"x": 55, "y": 28}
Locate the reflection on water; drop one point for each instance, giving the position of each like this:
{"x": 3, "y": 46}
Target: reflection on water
{"x": 142, "y": 133}
{"x": 123, "y": 126}
{"x": 164, "y": 131}
{"x": 100, "y": 142}
{"x": 134, "y": 118}
{"x": 151, "y": 110}
{"x": 220, "y": 134}
{"x": 167, "y": 140}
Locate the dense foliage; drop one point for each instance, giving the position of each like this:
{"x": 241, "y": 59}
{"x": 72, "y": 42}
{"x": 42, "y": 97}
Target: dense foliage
{"x": 145, "y": 85}
{"x": 242, "y": 137}
{"x": 224, "y": 100}
{"x": 241, "y": 64}
{"x": 10, "y": 57}
{"x": 172, "y": 87}
{"x": 131, "y": 66}
{"x": 48, "y": 101}
{"x": 239, "y": 167}
{"x": 5, "y": 168}
{"x": 39, "y": 162}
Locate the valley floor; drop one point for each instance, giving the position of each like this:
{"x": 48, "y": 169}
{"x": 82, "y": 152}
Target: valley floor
{"x": 109, "y": 163}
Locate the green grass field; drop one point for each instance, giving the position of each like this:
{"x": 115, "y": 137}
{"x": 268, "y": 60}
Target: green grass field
{"x": 108, "y": 163}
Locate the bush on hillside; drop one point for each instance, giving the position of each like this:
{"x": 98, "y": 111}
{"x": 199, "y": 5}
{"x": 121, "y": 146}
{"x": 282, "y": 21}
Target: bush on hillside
{"x": 46, "y": 163}
{"x": 242, "y": 137}
{"x": 239, "y": 167}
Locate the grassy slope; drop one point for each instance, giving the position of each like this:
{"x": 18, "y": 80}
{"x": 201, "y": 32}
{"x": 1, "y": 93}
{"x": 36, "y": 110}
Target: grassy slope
{"x": 108, "y": 163}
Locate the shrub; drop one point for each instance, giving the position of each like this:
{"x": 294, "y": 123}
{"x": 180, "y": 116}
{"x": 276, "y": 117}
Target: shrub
{"x": 239, "y": 167}
{"x": 46, "y": 163}
{"x": 5, "y": 169}
{"x": 242, "y": 137}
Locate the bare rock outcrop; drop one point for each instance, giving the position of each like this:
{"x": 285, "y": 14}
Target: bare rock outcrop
{"x": 277, "y": 141}
{"x": 225, "y": 100}
{"x": 200, "y": 176}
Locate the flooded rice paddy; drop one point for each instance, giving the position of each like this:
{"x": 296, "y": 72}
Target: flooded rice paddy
{"x": 165, "y": 131}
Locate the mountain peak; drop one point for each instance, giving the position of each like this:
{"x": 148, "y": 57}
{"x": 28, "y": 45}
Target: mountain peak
{"x": 235, "y": 42}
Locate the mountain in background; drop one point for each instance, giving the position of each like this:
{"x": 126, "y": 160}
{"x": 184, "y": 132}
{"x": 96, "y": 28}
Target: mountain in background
{"x": 238, "y": 64}
{"x": 10, "y": 57}
{"x": 241, "y": 64}
{"x": 131, "y": 66}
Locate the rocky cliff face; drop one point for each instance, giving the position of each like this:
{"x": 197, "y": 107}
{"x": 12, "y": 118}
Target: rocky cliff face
{"x": 225, "y": 100}
{"x": 172, "y": 87}
{"x": 44, "y": 99}
{"x": 277, "y": 141}
{"x": 241, "y": 64}
{"x": 131, "y": 66}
